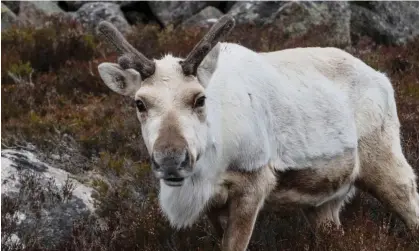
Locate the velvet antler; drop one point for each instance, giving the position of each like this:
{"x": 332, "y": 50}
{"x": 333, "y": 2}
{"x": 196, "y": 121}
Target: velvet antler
{"x": 219, "y": 30}
{"x": 130, "y": 57}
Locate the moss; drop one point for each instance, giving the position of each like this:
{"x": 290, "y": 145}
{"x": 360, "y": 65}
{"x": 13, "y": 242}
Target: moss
{"x": 89, "y": 40}
{"x": 141, "y": 170}
{"x": 21, "y": 69}
{"x": 24, "y": 35}
{"x": 101, "y": 186}
{"x": 34, "y": 118}
{"x": 152, "y": 195}
{"x": 113, "y": 163}
{"x": 413, "y": 90}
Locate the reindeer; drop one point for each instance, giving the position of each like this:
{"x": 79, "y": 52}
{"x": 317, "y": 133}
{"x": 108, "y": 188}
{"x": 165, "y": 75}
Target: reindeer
{"x": 230, "y": 131}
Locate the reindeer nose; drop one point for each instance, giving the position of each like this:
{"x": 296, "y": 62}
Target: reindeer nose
{"x": 170, "y": 163}
{"x": 171, "y": 167}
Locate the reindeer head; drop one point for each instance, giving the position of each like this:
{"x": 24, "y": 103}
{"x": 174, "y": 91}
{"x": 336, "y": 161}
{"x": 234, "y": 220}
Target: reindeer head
{"x": 170, "y": 98}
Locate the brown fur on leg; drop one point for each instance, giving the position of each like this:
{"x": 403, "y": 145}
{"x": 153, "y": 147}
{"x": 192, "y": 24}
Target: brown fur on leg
{"x": 246, "y": 195}
{"x": 243, "y": 213}
{"x": 329, "y": 212}
{"x": 387, "y": 175}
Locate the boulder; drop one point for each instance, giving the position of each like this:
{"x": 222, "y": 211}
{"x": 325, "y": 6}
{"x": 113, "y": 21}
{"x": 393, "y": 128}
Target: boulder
{"x": 391, "y": 22}
{"x": 39, "y": 202}
{"x": 175, "y": 12}
{"x": 13, "y": 5}
{"x": 205, "y": 18}
{"x": 138, "y": 12}
{"x": 258, "y": 13}
{"x": 135, "y": 17}
{"x": 298, "y": 18}
{"x": 228, "y": 5}
{"x": 8, "y": 18}
{"x": 44, "y": 7}
{"x": 91, "y": 14}
{"x": 75, "y": 5}
{"x": 34, "y": 13}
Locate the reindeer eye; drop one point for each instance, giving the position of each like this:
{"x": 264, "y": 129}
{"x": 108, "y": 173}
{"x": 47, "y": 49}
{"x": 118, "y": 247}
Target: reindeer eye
{"x": 199, "y": 102}
{"x": 140, "y": 106}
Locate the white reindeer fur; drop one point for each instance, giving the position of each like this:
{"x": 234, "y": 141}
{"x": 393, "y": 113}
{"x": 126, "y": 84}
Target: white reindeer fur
{"x": 285, "y": 108}
{"x": 259, "y": 116}
{"x": 370, "y": 92}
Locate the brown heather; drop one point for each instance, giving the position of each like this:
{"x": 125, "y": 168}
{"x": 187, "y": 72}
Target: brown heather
{"x": 52, "y": 97}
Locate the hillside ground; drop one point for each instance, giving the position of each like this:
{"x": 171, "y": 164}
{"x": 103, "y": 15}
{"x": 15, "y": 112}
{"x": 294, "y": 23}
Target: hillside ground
{"x": 53, "y": 98}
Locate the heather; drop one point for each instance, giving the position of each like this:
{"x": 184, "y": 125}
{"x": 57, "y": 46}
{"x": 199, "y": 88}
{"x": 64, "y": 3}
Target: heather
{"x": 54, "y": 99}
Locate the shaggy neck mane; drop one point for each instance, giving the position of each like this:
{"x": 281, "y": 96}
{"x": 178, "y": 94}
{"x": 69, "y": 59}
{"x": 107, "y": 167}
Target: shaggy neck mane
{"x": 184, "y": 205}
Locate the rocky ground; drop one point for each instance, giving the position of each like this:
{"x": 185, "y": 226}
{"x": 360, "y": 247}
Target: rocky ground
{"x": 385, "y": 22}
{"x": 48, "y": 200}
{"x": 74, "y": 170}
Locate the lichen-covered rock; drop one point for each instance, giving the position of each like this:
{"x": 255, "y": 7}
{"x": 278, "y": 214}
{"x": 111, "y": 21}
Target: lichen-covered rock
{"x": 8, "y": 18}
{"x": 297, "y": 18}
{"x": 91, "y": 14}
{"x": 174, "y": 12}
{"x": 205, "y": 18}
{"x": 391, "y": 22}
{"x": 39, "y": 202}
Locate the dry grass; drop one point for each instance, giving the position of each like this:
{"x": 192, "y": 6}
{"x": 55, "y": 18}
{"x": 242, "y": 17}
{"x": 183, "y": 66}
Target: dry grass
{"x": 52, "y": 97}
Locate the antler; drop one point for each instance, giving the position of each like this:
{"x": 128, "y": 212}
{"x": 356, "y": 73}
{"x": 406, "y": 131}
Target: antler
{"x": 224, "y": 25}
{"x": 130, "y": 57}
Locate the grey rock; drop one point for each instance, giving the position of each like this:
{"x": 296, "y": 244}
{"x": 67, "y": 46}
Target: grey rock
{"x": 174, "y": 12}
{"x": 34, "y": 13}
{"x": 126, "y": 4}
{"x": 138, "y": 12}
{"x": 227, "y": 6}
{"x": 259, "y": 13}
{"x": 8, "y": 18}
{"x": 91, "y": 14}
{"x": 391, "y": 22}
{"x": 46, "y": 7}
{"x": 135, "y": 17}
{"x": 40, "y": 202}
{"x": 13, "y": 5}
{"x": 205, "y": 18}
{"x": 298, "y": 18}
{"x": 75, "y": 5}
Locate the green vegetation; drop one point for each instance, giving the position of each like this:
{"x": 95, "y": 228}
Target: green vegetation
{"x": 68, "y": 105}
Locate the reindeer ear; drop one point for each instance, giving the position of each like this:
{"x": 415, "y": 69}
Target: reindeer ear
{"x": 208, "y": 66}
{"x": 125, "y": 82}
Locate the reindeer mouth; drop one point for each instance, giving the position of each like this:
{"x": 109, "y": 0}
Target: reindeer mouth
{"x": 175, "y": 182}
